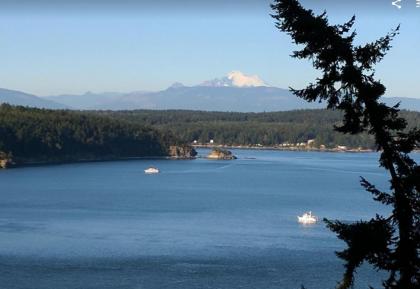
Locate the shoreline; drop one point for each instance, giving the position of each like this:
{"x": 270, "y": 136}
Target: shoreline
{"x": 98, "y": 160}
{"x": 293, "y": 149}
{"x": 174, "y": 153}
{"x": 76, "y": 161}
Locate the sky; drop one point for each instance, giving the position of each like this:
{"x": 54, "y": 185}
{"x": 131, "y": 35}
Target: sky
{"x": 70, "y": 47}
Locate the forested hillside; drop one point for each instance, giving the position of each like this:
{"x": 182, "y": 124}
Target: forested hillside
{"x": 39, "y": 135}
{"x": 269, "y": 128}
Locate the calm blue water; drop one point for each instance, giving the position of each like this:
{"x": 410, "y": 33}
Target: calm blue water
{"x": 198, "y": 224}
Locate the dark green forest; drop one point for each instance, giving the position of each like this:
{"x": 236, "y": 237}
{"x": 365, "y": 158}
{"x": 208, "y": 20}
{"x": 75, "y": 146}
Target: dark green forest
{"x": 36, "y": 135}
{"x": 40, "y": 135}
{"x": 267, "y": 128}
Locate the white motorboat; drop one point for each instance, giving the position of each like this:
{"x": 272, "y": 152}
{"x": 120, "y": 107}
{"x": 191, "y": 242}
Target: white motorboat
{"x": 307, "y": 218}
{"x": 151, "y": 170}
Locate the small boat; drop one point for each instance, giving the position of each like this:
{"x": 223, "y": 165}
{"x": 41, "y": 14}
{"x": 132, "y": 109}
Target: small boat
{"x": 151, "y": 170}
{"x": 307, "y": 218}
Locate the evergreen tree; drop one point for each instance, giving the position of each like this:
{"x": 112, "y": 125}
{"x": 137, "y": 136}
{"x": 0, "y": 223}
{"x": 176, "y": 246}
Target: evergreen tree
{"x": 348, "y": 84}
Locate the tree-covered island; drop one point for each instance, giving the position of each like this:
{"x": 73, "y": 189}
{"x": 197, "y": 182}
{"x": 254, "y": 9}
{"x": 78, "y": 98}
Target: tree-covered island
{"x": 30, "y": 136}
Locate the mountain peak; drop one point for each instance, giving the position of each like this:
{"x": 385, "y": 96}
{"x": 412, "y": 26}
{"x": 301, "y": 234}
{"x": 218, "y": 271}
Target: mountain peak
{"x": 235, "y": 79}
{"x": 177, "y": 85}
{"x": 240, "y": 79}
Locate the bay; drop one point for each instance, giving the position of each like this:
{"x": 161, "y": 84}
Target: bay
{"x": 198, "y": 224}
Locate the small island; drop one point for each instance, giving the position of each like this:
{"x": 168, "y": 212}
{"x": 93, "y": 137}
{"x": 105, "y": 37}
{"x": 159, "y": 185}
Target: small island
{"x": 183, "y": 152}
{"x": 221, "y": 154}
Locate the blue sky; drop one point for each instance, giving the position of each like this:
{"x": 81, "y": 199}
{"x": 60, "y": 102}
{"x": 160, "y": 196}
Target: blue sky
{"x": 55, "y": 47}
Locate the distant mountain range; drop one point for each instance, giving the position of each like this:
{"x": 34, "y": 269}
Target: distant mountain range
{"x": 20, "y": 98}
{"x": 234, "y": 92}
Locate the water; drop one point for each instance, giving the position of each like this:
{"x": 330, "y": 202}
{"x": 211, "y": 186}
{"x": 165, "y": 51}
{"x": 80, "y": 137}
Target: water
{"x": 197, "y": 224}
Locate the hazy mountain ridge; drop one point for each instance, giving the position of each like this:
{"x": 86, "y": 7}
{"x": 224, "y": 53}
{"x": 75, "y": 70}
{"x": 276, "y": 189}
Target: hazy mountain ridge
{"x": 25, "y": 99}
{"x": 85, "y": 101}
{"x": 213, "y": 98}
{"x": 234, "y": 92}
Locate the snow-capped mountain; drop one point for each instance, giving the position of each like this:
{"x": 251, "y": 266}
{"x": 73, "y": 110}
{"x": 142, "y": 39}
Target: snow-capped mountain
{"x": 234, "y": 92}
{"x": 235, "y": 79}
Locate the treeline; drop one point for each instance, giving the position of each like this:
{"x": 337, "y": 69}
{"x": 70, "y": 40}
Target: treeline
{"x": 38, "y": 135}
{"x": 268, "y": 128}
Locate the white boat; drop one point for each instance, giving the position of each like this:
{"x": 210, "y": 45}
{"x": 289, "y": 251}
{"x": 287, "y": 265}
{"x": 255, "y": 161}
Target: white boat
{"x": 307, "y": 218}
{"x": 151, "y": 170}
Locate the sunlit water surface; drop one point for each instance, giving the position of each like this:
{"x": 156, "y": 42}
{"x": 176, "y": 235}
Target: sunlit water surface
{"x": 197, "y": 224}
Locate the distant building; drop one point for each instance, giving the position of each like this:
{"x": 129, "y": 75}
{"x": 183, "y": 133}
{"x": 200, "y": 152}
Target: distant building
{"x": 211, "y": 141}
{"x": 342, "y": 148}
{"x": 195, "y": 141}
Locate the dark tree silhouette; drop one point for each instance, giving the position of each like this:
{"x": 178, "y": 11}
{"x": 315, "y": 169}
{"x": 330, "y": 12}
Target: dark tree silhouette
{"x": 348, "y": 84}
